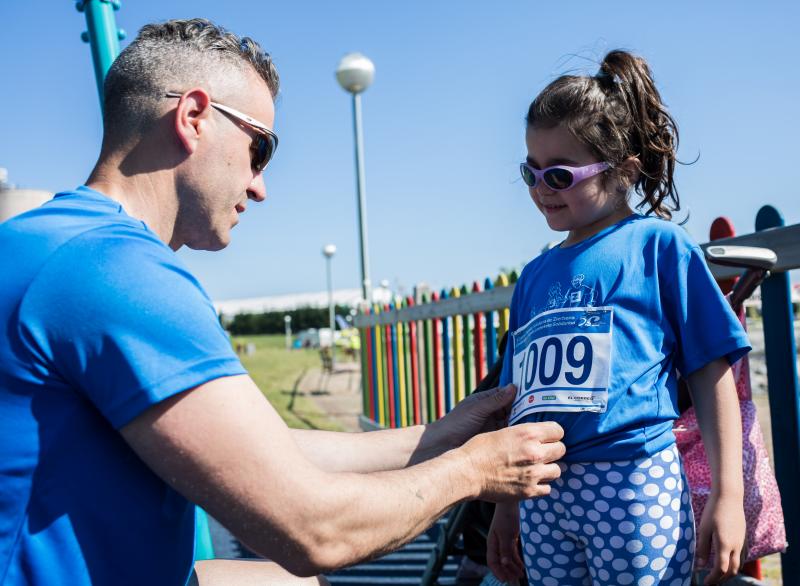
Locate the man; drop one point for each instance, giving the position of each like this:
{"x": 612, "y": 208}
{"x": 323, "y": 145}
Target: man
{"x": 121, "y": 400}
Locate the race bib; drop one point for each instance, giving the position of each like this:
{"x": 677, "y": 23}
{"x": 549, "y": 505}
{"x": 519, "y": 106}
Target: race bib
{"x": 562, "y": 361}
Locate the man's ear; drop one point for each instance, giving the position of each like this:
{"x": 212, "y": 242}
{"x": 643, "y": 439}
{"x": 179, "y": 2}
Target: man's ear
{"x": 191, "y": 115}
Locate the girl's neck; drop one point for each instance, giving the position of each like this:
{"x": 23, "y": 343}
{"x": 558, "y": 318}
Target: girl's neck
{"x": 580, "y": 234}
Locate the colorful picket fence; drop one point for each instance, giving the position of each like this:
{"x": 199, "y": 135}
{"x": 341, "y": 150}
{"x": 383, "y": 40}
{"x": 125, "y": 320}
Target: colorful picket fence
{"x": 421, "y": 355}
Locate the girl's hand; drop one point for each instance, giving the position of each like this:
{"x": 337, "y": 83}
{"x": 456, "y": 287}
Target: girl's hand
{"x": 723, "y": 524}
{"x": 502, "y": 551}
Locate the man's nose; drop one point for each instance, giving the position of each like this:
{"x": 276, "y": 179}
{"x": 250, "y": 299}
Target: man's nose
{"x": 257, "y": 191}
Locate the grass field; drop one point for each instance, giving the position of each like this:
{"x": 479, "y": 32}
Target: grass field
{"x": 277, "y": 372}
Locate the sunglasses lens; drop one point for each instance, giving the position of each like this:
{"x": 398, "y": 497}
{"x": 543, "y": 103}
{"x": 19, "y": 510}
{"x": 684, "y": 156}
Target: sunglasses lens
{"x": 527, "y": 176}
{"x": 261, "y": 151}
{"x": 558, "y": 178}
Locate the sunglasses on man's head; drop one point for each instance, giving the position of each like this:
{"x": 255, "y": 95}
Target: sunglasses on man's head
{"x": 560, "y": 177}
{"x": 265, "y": 142}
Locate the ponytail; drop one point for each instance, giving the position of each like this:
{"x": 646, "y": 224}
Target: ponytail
{"x": 618, "y": 114}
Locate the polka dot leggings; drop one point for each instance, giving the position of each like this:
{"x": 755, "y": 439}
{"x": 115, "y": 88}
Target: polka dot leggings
{"x": 625, "y": 522}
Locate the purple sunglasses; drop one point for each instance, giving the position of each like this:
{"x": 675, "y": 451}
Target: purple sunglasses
{"x": 560, "y": 177}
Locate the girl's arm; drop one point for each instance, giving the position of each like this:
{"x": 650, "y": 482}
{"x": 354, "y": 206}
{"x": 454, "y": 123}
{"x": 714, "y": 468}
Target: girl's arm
{"x": 714, "y": 396}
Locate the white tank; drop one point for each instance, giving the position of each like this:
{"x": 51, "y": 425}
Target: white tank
{"x": 15, "y": 201}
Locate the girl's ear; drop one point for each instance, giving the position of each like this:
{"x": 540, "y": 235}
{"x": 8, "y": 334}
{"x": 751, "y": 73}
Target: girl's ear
{"x": 628, "y": 172}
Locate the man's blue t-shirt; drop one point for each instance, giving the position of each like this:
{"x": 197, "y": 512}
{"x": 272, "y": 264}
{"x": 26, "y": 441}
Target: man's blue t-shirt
{"x": 101, "y": 320}
{"x": 598, "y": 330}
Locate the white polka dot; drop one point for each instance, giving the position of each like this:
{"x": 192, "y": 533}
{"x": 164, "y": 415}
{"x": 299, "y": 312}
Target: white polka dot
{"x": 646, "y": 581}
{"x": 577, "y": 510}
{"x": 544, "y": 563}
{"x": 549, "y": 581}
{"x": 568, "y": 497}
{"x": 622, "y": 463}
{"x": 669, "y": 551}
{"x": 675, "y": 468}
{"x": 675, "y": 505}
{"x": 655, "y": 512}
{"x": 598, "y": 542}
{"x": 687, "y": 534}
{"x": 574, "y": 483}
{"x": 634, "y": 546}
{"x": 591, "y": 479}
{"x": 535, "y": 574}
{"x": 550, "y": 517}
{"x": 637, "y": 478}
{"x": 626, "y": 494}
{"x": 529, "y": 549}
{"x": 567, "y": 546}
{"x": 527, "y": 559}
{"x": 561, "y": 559}
{"x": 593, "y": 515}
{"x": 604, "y": 527}
{"x": 636, "y": 509}
{"x": 663, "y": 499}
{"x": 685, "y": 498}
{"x": 646, "y": 463}
{"x": 603, "y": 575}
{"x": 573, "y": 525}
{"x": 625, "y": 579}
{"x": 651, "y": 489}
{"x": 617, "y": 514}
{"x": 659, "y": 541}
{"x": 542, "y": 504}
{"x": 598, "y": 563}
{"x": 658, "y": 564}
{"x": 676, "y": 534}
{"x": 677, "y": 582}
{"x": 535, "y": 537}
{"x": 564, "y": 524}
{"x": 617, "y": 541}
{"x": 525, "y": 528}
{"x": 682, "y": 517}
{"x": 557, "y": 535}
{"x": 670, "y": 483}
{"x": 544, "y": 530}
{"x": 602, "y": 466}
{"x": 668, "y": 574}
{"x": 686, "y": 567}
{"x": 588, "y": 529}
{"x": 607, "y": 555}
{"x": 536, "y": 518}
{"x": 681, "y": 555}
{"x": 614, "y": 477}
{"x": 558, "y": 573}
{"x": 601, "y": 506}
{"x": 648, "y": 530}
{"x": 667, "y": 456}
{"x": 587, "y": 495}
{"x": 558, "y": 508}
{"x": 666, "y": 522}
{"x": 619, "y": 564}
{"x": 639, "y": 561}
{"x": 608, "y": 492}
{"x": 548, "y": 548}
{"x": 626, "y": 527}
{"x": 656, "y": 472}
{"x": 554, "y": 493}
{"x": 577, "y": 469}
{"x": 577, "y": 572}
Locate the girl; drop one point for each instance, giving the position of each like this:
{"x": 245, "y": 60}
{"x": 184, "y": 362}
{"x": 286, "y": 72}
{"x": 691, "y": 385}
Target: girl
{"x": 601, "y": 324}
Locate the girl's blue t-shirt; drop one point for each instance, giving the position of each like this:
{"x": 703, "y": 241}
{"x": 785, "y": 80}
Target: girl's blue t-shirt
{"x": 599, "y": 330}
{"x": 101, "y": 320}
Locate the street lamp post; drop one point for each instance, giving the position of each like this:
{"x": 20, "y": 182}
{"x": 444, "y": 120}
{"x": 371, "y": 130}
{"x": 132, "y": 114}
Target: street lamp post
{"x": 287, "y": 320}
{"x": 328, "y": 251}
{"x": 355, "y": 74}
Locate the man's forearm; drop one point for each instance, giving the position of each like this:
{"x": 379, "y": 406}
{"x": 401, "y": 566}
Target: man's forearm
{"x": 373, "y": 451}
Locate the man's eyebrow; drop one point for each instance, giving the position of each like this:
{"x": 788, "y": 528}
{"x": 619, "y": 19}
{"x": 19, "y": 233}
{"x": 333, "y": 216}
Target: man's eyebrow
{"x": 552, "y": 162}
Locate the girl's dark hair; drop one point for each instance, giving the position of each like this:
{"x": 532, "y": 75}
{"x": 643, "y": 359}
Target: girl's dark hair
{"x": 618, "y": 113}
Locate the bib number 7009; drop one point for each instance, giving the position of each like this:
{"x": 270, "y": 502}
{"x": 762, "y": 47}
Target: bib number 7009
{"x": 562, "y": 361}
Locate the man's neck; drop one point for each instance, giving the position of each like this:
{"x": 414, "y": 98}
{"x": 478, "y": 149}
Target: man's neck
{"x": 149, "y": 197}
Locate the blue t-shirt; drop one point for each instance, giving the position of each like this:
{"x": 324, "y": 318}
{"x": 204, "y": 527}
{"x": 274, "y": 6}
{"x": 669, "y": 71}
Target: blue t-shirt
{"x": 598, "y": 330}
{"x": 101, "y": 320}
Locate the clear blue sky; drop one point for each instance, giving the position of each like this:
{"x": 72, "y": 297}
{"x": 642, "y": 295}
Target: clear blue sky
{"x": 443, "y": 122}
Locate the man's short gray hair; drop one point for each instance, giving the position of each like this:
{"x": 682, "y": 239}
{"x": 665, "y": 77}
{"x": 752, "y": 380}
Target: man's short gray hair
{"x": 171, "y": 56}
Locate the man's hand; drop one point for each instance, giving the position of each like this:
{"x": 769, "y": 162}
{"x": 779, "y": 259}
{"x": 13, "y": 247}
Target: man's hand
{"x": 502, "y": 544}
{"x": 517, "y": 462}
{"x": 483, "y": 411}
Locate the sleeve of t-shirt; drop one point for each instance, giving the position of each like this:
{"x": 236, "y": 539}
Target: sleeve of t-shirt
{"x": 701, "y": 319}
{"x": 122, "y": 321}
